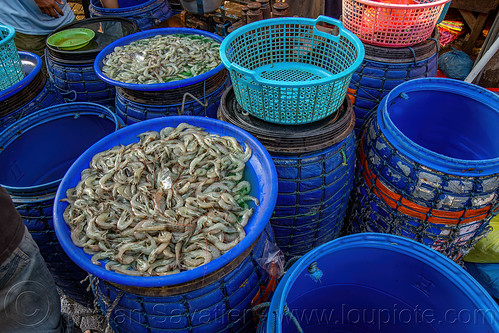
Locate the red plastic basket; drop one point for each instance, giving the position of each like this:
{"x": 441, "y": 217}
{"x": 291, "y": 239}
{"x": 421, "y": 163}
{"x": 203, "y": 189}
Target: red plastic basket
{"x": 392, "y": 25}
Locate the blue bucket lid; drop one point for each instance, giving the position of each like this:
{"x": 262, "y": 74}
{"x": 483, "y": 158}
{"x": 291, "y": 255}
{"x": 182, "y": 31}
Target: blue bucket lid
{"x": 260, "y": 163}
{"x": 427, "y": 157}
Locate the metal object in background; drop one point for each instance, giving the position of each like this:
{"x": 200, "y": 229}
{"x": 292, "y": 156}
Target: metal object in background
{"x": 201, "y": 6}
{"x": 254, "y": 12}
{"x": 280, "y": 9}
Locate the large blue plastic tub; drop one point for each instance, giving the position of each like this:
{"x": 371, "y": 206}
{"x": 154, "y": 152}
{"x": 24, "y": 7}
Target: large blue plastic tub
{"x": 429, "y": 165}
{"x": 33, "y": 92}
{"x": 379, "y": 283}
{"x": 141, "y": 307}
{"x": 146, "y": 13}
{"x": 35, "y": 153}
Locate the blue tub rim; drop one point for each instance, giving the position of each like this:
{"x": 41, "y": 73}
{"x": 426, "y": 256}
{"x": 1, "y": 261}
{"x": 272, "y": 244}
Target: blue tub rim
{"x": 262, "y": 213}
{"x": 155, "y": 86}
{"x": 140, "y": 7}
{"x": 462, "y": 279}
{"x": 39, "y": 117}
{"x": 429, "y": 158}
{"x": 15, "y": 88}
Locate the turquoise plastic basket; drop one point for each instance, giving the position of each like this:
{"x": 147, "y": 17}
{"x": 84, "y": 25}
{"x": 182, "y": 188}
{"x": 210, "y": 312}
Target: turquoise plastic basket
{"x": 291, "y": 70}
{"x": 11, "y": 69}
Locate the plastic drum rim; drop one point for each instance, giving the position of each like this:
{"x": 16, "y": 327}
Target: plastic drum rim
{"x": 399, "y": 244}
{"x": 40, "y": 117}
{"x": 123, "y": 9}
{"x": 4, "y": 94}
{"x": 423, "y": 155}
{"x": 261, "y": 215}
{"x": 290, "y": 20}
{"x": 147, "y": 34}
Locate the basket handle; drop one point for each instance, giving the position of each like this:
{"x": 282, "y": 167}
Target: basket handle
{"x": 249, "y": 76}
{"x": 331, "y": 21}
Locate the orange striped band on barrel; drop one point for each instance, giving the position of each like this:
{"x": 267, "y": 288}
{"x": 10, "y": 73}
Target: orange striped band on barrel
{"x": 407, "y": 207}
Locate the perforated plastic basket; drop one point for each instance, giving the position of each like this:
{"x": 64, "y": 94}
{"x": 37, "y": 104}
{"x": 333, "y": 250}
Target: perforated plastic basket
{"x": 392, "y": 25}
{"x": 11, "y": 69}
{"x": 291, "y": 70}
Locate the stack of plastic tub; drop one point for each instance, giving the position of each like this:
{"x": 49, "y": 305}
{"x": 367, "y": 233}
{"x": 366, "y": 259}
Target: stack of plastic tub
{"x": 428, "y": 165}
{"x": 214, "y": 297}
{"x": 34, "y": 92}
{"x": 35, "y": 153}
{"x": 399, "y": 47}
{"x": 146, "y": 13}
{"x": 195, "y": 96}
{"x": 290, "y": 77}
{"x": 73, "y": 70}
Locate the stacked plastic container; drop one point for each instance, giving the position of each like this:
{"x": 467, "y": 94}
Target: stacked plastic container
{"x": 401, "y": 44}
{"x": 290, "y": 77}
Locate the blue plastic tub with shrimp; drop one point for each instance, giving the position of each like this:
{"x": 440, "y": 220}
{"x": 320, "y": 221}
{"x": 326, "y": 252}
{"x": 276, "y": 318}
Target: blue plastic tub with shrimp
{"x": 214, "y": 297}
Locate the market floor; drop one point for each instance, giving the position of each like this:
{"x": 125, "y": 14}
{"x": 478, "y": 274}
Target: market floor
{"x": 88, "y": 320}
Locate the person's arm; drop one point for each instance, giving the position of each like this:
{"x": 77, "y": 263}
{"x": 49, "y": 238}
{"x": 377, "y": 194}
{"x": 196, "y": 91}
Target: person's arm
{"x": 50, "y": 7}
{"x": 109, "y": 3}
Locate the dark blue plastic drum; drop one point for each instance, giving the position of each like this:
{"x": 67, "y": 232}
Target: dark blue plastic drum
{"x": 33, "y": 92}
{"x": 132, "y": 110}
{"x": 35, "y": 153}
{"x": 429, "y": 165}
{"x": 209, "y": 298}
{"x": 73, "y": 72}
{"x": 315, "y": 169}
{"x": 146, "y": 13}
{"x": 385, "y": 68}
{"x": 379, "y": 283}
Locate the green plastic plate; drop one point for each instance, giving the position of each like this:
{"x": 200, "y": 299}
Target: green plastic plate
{"x": 71, "y": 39}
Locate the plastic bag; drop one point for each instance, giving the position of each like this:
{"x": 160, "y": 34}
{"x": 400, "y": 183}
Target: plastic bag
{"x": 455, "y": 64}
{"x": 486, "y": 249}
{"x": 272, "y": 260}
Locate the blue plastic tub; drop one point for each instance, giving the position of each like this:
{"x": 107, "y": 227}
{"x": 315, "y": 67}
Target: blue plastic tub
{"x": 379, "y": 283}
{"x": 382, "y": 70}
{"x": 146, "y": 13}
{"x": 132, "y": 111}
{"x": 149, "y": 313}
{"x": 33, "y": 92}
{"x": 429, "y": 165}
{"x": 35, "y": 153}
{"x": 98, "y": 63}
{"x": 314, "y": 190}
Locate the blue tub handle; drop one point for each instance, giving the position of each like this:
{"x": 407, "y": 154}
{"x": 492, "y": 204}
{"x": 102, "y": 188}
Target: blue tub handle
{"x": 328, "y": 20}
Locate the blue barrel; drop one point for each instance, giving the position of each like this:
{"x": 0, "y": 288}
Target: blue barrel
{"x": 134, "y": 109}
{"x": 33, "y": 92}
{"x": 146, "y": 13}
{"x": 385, "y": 68}
{"x": 73, "y": 71}
{"x": 213, "y": 297}
{"x": 315, "y": 169}
{"x": 35, "y": 153}
{"x": 429, "y": 165}
{"x": 195, "y": 96}
{"x": 379, "y": 283}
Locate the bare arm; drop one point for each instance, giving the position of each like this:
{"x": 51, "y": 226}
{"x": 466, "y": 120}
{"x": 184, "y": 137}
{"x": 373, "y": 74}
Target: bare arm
{"x": 50, "y": 7}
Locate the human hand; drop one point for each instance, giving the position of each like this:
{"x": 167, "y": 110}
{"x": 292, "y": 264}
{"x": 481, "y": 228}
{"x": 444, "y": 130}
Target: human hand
{"x": 50, "y": 7}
